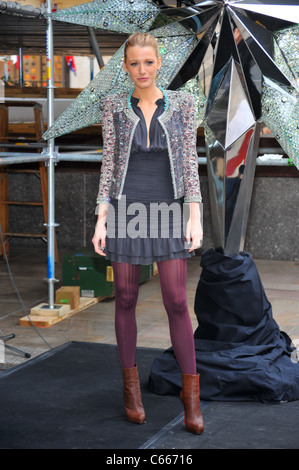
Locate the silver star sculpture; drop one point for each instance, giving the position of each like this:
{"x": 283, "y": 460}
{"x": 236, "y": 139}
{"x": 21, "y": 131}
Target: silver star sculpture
{"x": 249, "y": 50}
{"x": 191, "y": 30}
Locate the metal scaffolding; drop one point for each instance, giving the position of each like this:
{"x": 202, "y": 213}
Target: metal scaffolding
{"x": 48, "y": 155}
{"x": 51, "y": 164}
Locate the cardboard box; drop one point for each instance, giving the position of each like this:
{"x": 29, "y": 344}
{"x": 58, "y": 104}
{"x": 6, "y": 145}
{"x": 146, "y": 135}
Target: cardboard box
{"x": 69, "y": 295}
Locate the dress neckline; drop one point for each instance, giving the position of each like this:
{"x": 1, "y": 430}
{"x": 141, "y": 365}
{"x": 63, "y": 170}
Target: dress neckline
{"x": 158, "y": 102}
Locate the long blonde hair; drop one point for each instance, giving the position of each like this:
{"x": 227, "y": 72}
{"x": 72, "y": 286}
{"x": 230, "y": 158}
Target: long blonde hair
{"x": 142, "y": 40}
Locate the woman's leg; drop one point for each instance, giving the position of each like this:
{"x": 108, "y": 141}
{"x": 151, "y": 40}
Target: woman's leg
{"x": 126, "y": 281}
{"x": 173, "y": 277}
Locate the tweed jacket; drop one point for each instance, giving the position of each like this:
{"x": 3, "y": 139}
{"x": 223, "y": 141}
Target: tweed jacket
{"x": 179, "y": 124}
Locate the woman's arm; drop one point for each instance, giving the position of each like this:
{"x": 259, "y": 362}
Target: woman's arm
{"x": 190, "y": 156}
{"x": 107, "y": 169}
{"x": 194, "y": 230}
{"x": 108, "y": 158}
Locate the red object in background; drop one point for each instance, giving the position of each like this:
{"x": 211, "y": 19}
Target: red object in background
{"x": 236, "y": 161}
{"x": 71, "y": 63}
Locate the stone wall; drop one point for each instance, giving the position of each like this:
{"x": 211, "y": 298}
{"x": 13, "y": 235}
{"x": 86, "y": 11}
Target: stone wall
{"x": 272, "y": 231}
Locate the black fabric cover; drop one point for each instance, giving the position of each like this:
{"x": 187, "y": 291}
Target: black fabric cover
{"x": 241, "y": 353}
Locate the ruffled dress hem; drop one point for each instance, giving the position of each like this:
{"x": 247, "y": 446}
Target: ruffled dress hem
{"x": 144, "y": 261}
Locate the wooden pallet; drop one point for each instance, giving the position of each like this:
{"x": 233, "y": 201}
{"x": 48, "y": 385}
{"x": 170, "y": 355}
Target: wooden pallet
{"x": 43, "y": 317}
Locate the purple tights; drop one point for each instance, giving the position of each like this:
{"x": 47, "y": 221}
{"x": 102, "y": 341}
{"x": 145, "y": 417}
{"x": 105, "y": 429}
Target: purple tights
{"x": 173, "y": 276}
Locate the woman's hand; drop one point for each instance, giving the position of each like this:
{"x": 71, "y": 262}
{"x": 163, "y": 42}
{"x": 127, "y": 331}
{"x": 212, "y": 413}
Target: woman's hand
{"x": 99, "y": 238}
{"x": 194, "y": 231}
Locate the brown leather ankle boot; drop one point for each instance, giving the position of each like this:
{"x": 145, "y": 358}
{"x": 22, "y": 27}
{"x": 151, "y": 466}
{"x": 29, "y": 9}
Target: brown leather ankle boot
{"x": 190, "y": 398}
{"x": 132, "y": 396}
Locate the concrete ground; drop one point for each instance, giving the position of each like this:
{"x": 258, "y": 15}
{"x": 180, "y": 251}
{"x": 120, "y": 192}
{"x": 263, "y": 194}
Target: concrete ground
{"x": 96, "y": 324}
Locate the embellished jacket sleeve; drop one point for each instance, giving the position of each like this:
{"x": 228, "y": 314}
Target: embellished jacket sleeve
{"x": 108, "y": 156}
{"x": 190, "y": 157}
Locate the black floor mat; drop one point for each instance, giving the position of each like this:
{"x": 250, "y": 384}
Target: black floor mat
{"x": 71, "y": 398}
{"x": 242, "y": 425}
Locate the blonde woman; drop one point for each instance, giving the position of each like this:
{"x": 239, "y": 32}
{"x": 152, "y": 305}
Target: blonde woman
{"x": 150, "y": 158}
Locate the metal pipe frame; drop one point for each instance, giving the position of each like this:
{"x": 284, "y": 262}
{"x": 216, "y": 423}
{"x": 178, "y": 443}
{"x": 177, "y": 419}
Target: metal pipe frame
{"x": 51, "y": 159}
{"x": 20, "y": 10}
{"x": 95, "y": 46}
{"x": 15, "y": 158}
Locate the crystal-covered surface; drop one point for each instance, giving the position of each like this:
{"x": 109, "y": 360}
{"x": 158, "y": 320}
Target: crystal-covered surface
{"x": 281, "y": 114}
{"x": 194, "y": 87}
{"x": 280, "y": 104}
{"x": 286, "y": 45}
{"x": 125, "y": 16}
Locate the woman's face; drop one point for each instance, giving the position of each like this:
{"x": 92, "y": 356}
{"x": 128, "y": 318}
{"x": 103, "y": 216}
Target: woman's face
{"x": 142, "y": 65}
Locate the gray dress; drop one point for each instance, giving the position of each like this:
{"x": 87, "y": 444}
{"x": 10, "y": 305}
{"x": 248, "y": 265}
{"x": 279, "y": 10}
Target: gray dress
{"x": 147, "y": 223}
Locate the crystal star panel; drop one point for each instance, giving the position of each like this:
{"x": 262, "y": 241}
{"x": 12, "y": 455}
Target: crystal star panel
{"x": 280, "y": 105}
{"x": 125, "y": 16}
{"x": 287, "y": 44}
{"x": 194, "y": 87}
{"x": 280, "y": 113}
